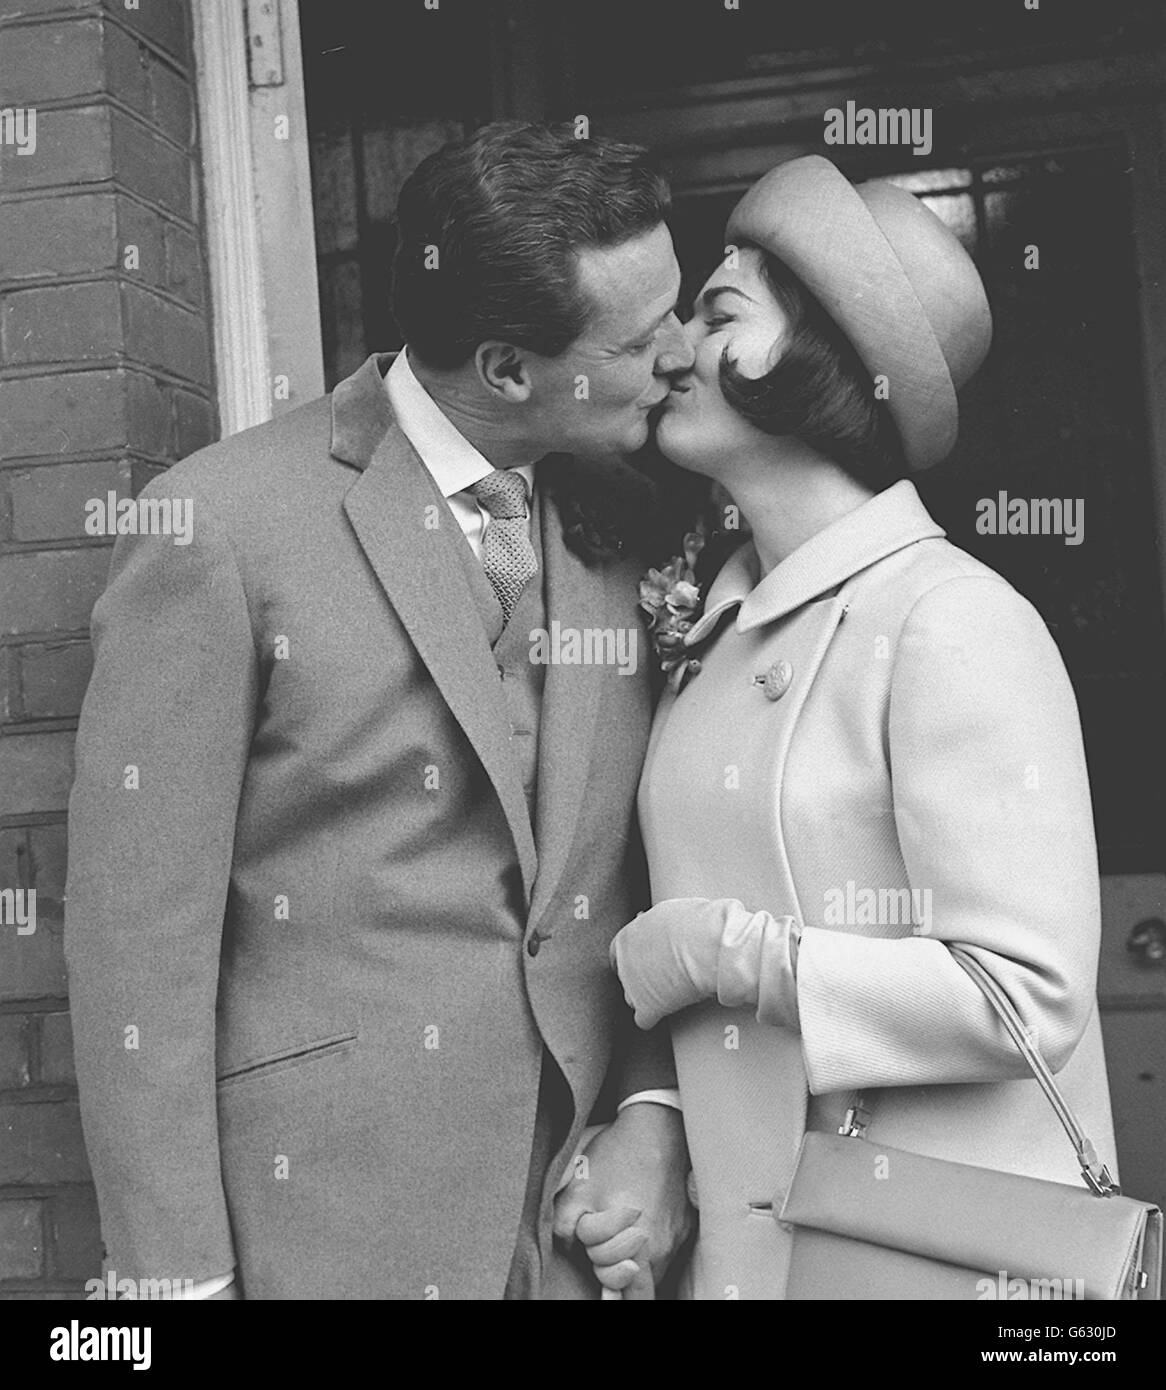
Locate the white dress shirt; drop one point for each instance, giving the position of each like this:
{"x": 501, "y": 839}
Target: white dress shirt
{"x": 450, "y": 457}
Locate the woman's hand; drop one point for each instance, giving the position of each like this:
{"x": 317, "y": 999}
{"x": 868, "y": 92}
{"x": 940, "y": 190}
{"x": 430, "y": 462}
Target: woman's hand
{"x": 685, "y": 950}
{"x": 666, "y": 958}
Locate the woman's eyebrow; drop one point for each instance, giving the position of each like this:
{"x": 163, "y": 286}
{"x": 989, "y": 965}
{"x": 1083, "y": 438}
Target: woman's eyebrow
{"x": 707, "y": 296}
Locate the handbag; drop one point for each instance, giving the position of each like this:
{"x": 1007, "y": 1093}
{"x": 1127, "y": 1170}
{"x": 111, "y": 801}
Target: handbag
{"x": 872, "y": 1222}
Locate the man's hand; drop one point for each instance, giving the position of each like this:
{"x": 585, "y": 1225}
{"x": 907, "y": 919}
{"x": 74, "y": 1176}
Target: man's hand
{"x": 631, "y": 1210}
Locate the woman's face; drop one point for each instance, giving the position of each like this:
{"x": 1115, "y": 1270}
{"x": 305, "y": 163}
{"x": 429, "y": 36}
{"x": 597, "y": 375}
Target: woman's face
{"x": 697, "y": 428}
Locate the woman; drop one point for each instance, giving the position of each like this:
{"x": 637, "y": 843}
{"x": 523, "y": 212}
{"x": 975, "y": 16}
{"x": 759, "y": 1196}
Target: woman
{"x": 879, "y": 753}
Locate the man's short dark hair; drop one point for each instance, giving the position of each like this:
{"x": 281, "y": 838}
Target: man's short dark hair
{"x": 819, "y": 392}
{"x": 489, "y": 229}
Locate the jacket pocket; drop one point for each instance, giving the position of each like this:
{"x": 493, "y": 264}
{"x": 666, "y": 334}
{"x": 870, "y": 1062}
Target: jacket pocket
{"x": 286, "y": 1060}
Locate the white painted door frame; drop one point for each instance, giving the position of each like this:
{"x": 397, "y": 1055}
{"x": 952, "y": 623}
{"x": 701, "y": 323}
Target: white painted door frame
{"x": 258, "y": 225}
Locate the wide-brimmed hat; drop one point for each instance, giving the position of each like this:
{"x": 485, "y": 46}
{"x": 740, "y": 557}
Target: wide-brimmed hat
{"x": 894, "y": 279}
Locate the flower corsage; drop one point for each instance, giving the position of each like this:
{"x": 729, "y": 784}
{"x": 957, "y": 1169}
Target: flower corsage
{"x": 672, "y": 599}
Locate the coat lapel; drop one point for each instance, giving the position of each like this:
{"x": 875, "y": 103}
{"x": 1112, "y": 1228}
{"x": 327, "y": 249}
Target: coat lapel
{"x": 575, "y": 597}
{"x": 420, "y": 570}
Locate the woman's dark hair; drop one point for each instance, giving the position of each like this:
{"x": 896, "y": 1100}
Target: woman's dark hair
{"x": 819, "y": 391}
{"x": 489, "y": 229}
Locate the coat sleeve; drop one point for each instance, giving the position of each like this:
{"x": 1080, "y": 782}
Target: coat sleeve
{"x": 161, "y": 750}
{"x": 992, "y": 808}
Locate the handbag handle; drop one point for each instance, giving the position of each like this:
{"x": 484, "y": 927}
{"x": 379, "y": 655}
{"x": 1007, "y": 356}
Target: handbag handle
{"x": 1096, "y": 1175}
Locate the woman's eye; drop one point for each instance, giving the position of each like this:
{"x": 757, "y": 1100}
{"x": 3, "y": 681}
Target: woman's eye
{"x": 717, "y": 321}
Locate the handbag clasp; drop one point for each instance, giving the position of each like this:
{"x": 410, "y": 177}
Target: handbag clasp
{"x": 855, "y": 1121}
{"x": 1099, "y": 1179}
{"x": 1097, "y": 1176}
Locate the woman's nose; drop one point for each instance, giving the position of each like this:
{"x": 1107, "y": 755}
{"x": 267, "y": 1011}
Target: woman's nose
{"x": 676, "y": 351}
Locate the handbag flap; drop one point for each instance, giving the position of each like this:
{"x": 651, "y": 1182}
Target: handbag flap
{"x": 1002, "y": 1223}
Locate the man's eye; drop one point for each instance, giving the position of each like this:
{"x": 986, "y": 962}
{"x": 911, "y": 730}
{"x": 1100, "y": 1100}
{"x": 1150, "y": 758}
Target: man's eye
{"x": 641, "y": 347}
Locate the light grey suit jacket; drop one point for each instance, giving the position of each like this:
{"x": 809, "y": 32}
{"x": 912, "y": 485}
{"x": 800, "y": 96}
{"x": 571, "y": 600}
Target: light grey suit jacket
{"x": 315, "y": 945}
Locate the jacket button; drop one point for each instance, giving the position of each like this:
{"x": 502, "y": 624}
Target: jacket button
{"x": 532, "y": 946}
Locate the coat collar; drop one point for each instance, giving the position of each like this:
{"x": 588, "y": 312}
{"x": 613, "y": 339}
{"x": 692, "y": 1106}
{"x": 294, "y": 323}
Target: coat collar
{"x": 889, "y": 522}
{"x": 454, "y": 462}
{"x": 361, "y": 412}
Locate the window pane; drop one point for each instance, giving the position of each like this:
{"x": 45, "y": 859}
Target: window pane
{"x": 958, "y": 212}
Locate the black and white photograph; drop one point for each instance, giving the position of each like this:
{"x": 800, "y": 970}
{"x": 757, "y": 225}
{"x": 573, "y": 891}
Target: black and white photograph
{"x": 583, "y": 665}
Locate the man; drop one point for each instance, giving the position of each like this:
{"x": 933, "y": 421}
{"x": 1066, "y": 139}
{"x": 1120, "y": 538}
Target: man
{"x": 346, "y": 858}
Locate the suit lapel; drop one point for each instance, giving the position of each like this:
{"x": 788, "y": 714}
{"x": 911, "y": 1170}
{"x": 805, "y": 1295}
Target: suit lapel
{"x": 419, "y": 568}
{"x": 575, "y": 597}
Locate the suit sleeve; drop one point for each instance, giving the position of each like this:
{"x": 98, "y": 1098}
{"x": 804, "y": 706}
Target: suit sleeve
{"x": 643, "y": 1061}
{"x": 161, "y": 751}
{"x": 992, "y": 807}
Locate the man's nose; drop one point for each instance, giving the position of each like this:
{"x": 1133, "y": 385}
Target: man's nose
{"x": 676, "y": 353}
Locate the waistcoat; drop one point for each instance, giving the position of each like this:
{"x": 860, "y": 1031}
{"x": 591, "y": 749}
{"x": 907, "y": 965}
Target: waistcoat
{"x": 522, "y": 681}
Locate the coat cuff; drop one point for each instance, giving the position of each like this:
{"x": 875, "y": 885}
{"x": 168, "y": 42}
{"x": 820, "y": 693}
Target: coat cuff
{"x": 659, "y": 1096}
{"x": 209, "y": 1287}
{"x": 756, "y": 965}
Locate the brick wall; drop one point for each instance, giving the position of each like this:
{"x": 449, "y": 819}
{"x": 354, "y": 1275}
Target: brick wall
{"x": 105, "y": 378}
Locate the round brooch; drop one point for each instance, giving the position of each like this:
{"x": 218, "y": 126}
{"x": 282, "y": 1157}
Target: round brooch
{"x": 776, "y": 680}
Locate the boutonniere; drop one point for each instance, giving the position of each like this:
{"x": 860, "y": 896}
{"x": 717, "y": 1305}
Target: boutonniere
{"x": 672, "y": 599}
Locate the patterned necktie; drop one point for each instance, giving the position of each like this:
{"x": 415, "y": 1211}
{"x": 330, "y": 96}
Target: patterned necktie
{"x": 507, "y": 554}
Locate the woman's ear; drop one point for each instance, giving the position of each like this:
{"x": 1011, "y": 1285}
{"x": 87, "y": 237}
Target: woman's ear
{"x": 503, "y": 370}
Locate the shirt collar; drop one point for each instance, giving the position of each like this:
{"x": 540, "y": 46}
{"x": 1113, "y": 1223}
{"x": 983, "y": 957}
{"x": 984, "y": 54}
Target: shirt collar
{"x": 886, "y": 523}
{"x": 451, "y": 459}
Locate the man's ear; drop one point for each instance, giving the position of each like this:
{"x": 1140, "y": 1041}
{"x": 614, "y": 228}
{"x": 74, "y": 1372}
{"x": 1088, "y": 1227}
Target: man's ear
{"x": 503, "y": 370}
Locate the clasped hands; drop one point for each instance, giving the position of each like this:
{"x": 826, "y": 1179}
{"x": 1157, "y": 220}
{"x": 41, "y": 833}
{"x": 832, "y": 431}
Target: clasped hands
{"x": 627, "y": 1205}
{"x": 630, "y": 1212}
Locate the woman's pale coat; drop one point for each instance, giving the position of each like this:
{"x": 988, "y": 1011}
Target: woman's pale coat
{"x": 921, "y": 780}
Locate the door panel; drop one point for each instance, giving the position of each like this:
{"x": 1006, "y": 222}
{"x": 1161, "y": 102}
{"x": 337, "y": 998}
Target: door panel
{"x": 1135, "y": 1053}
{"x": 1132, "y": 972}
{"x": 1049, "y": 135}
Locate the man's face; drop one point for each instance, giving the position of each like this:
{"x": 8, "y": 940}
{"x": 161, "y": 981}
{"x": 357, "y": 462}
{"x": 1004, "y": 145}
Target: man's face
{"x": 594, "y": 398}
